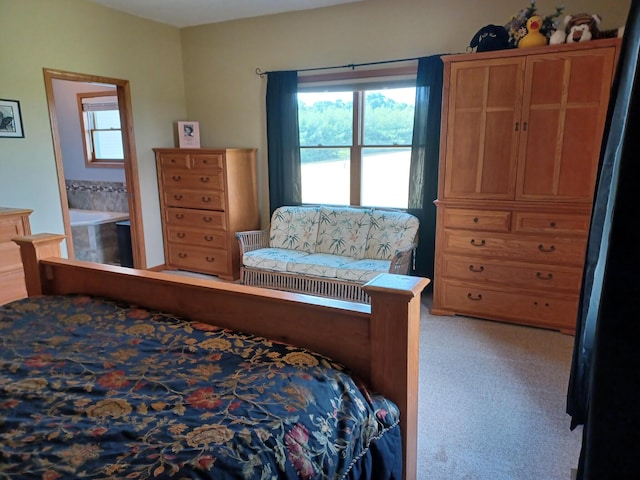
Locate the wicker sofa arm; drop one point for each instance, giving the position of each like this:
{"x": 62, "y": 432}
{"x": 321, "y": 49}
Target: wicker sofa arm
{"x": 401, "y": 262}
{"x": 252, "y": 240}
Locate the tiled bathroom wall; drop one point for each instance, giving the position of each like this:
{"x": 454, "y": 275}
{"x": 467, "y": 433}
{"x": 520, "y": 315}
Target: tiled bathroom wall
{"x": 92, "y": 195}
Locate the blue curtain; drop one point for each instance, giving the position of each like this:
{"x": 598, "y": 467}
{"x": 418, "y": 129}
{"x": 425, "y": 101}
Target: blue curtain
{"x": 425, "y": 151}
{"x": 283, "y": 143}
{"x": 604, "y": 386}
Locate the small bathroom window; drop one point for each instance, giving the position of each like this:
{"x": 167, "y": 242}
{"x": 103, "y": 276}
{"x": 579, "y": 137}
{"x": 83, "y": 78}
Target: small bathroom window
{"x": 102, "y": 133}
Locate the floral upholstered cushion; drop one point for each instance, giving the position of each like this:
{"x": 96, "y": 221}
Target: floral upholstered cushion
{"x": 319, "y": 265}
{"x": 390, "y": 232}
{"x": 362, "y": 271}
{"x": 294, "y": 228}
{"x": 343, "y": 231}
{"x": 275, "y": 259}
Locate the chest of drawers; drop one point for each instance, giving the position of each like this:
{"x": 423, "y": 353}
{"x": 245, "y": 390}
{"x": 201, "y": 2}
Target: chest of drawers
{"x": 13, "y": 222}
{"x": 206, "y": 195}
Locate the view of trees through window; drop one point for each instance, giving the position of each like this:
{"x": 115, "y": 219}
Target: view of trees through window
{"x": 356, "y": 146}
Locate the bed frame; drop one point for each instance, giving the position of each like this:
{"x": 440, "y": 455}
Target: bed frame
{"x": 378, "y": 342}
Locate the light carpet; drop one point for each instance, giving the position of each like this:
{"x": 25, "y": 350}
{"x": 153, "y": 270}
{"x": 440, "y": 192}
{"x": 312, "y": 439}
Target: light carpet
{"x": 492, "y": 401}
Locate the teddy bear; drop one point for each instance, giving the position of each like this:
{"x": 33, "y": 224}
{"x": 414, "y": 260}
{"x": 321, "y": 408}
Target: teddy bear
{"x": 581, "y": 28}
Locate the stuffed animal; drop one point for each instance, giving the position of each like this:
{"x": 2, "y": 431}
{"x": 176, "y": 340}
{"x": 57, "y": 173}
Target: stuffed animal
{"x": 581, "y": 28}
{"x": 490, "y": 37}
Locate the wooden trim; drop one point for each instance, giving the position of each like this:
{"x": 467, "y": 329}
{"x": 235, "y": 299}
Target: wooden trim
{"x": 123, "y": 92}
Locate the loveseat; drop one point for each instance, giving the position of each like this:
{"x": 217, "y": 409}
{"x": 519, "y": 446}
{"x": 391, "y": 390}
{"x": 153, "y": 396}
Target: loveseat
{"x": 328, "y": 251}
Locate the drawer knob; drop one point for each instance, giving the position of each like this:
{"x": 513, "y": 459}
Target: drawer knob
{"x": 474, "y": 298}
{"x": 178, "y": 197}
{"x": 204, "y": 179}
{"x": 208, "y": 238}
{"x": 207, "y": 219}
{"x": 179, "y": 216}
{"x": 206, "y": 199}
{"x": 540, "y": 276}
{"x": 481, "y": 243}
{"x": 177, "y": 178}
{"x": 542, "y": 248}
{"x": 210, "y": 259}
{"x": 182, "y": 255}
{"x": 476, "y": 269}
{"x": 181, "y": 235}
{"x": 476, "y": 219}
{"x": 552, "y": 224}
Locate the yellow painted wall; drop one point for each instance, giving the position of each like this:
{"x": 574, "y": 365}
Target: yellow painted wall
{"x": 206, "y": 73}
{"x": 80, "y": 36}
{"x": 226, "y": 96}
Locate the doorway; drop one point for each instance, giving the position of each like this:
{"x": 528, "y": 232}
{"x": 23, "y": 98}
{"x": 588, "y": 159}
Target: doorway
{"x": 131, "y": 183}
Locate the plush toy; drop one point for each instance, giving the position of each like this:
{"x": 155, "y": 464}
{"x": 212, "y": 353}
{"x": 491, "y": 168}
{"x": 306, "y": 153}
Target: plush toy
{"x": 581, "y": 28}
{"x": 490, "y": 37}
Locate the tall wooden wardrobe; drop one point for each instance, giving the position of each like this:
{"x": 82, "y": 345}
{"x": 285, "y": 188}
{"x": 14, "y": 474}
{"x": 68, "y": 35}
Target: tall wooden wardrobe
{"x": 521, "y": 138}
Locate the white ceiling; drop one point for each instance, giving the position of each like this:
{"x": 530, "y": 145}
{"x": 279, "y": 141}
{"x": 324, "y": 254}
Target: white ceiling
{"x": 186, "y": 13}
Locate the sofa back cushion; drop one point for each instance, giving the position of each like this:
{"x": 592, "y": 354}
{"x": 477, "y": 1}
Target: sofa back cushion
{"x": 294, "y": 228}
{"x": 343, "y": 231}
{"x": 390, "y": 232}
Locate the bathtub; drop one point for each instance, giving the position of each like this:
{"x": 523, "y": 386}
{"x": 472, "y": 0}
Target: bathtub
{"x": 94, "y": 235}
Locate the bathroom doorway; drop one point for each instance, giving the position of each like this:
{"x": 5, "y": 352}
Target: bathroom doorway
{"x": 108, "y": 188}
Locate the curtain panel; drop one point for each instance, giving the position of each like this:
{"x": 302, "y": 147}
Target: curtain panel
{"x": 604, "y": 385}
{"x": 283, "y": 142}
{"x": 425, "y": 153}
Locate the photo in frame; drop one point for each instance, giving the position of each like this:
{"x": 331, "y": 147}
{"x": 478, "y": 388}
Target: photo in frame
{"x": 10, "y": 119}
{"x": 189, "y": 134}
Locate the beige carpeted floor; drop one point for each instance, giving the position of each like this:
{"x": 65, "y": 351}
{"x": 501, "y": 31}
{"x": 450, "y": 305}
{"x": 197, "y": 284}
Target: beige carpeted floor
{"x": 492, "y": 401}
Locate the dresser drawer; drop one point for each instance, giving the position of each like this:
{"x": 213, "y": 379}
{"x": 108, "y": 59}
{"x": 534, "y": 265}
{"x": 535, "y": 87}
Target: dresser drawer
{"x": 488, "y": 220}
{"x": 190, "y": 236}
{"x": 529, "y": 248}
{"x": 198, "y": 259}
{"x": 199, "y": 219}
{"x": 206, "y": 162}
{"x": 558, "y": 223}
{"x": 211, "y": 200}
{"x": 174, "y": 160}
{"x": 545, "y": 310}
{"x": 10, "y": 257}
{"x": 202, "y": 181}
{"x": 520, "y": 275}
{"x": 10, "y": 228}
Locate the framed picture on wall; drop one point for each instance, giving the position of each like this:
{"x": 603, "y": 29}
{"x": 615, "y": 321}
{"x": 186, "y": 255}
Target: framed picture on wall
{"x": 188, "y": 134}
{"x": 10, "y": 119}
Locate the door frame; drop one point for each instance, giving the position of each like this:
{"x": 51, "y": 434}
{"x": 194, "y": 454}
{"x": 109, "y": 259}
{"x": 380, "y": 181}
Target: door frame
{"x": 130, "y": 158}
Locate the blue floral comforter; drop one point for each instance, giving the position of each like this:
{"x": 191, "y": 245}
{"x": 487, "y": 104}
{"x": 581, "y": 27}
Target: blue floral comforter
{"x": 90, "y": 388}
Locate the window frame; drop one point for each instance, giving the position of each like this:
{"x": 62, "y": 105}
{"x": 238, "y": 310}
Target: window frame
{"x": 359, "y": 82}
{"x": 87, "y": 132}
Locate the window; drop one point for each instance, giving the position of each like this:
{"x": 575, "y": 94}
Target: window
{"x": 101, "y": 131}
{"x": 355, "y": 144}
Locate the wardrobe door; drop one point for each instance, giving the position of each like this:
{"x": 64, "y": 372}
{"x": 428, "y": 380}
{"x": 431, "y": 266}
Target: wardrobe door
{"x": 564, "y": 109}
{"x": 483, "y": 127}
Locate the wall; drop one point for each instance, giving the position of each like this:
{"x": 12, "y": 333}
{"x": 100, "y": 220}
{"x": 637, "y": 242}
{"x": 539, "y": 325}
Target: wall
{"x": 205, "y": 73}
{"x": 83, "y": 37}
{"x": 227, "y": 97}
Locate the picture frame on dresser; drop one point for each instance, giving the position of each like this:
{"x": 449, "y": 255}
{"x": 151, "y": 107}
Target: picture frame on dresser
{"x": 189, "y": 134}
{"x": 10, "y": 119}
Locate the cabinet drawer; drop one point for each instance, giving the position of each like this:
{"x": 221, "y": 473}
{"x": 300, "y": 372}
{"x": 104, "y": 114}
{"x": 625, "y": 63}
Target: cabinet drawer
{"x": 529, "y": 248}
{"x": 489, "y": 220}
{"x": 202, "y": 181}
{"x": 205, "y": 238}
{"x": 199, "y": 219}
{"x": 211, "y": 200}
{"x": 520, "y": 275}
{"x": 544, "y": 310}
{"x": 206, "y": 162}
{"x": 176, "y": 160}
{"x": 560, "y": 223}
{"x": 197, "y": 259}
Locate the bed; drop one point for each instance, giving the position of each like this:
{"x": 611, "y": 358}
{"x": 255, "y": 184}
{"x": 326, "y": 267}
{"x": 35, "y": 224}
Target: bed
{"x": 110, "y": 372}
